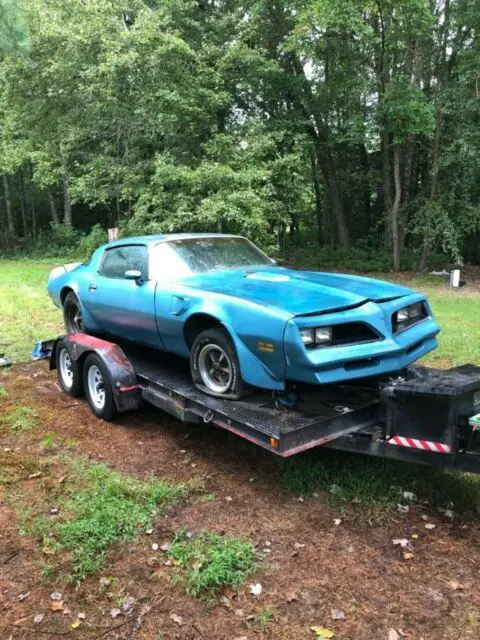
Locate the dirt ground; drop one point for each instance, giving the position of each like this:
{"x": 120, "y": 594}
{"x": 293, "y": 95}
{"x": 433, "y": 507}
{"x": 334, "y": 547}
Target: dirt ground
{"x": 314, "y": 565}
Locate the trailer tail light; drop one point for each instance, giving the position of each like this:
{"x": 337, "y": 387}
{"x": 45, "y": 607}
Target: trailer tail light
{"x": 424, "y": 445}
{"x": 274, "y": 443}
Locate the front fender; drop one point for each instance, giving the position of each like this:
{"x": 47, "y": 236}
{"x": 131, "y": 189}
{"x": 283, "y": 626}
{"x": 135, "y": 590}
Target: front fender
{"x": 253, "y": 370}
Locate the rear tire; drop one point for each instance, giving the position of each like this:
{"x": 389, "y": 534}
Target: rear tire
{"x": 72, "y": 314}
{"x": 98, "y": 388}
{"x": 215, "y": 367}
{"x": 68, "y": 372}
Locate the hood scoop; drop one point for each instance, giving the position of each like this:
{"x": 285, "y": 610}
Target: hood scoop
{"x": 268, "y": 277}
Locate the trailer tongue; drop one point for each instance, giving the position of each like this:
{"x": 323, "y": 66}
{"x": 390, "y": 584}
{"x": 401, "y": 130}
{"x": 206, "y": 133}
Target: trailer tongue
{"x": 427, "y": 415}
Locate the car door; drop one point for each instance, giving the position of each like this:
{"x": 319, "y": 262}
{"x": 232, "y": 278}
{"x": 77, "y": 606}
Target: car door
{"x": 120, "y": 306}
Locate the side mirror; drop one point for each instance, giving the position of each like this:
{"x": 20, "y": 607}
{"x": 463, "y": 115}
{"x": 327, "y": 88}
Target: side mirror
{"x": 133, "y": 274}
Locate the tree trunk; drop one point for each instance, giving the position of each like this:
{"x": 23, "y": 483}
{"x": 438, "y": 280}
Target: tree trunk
{"x": 325, "y": 161}
{"x": 67, "y": 201}
{"x": 33, "y": 209}
{"x": 8, "y": 205}
{"x": 23, "y": 204}
{"x": 395, "y": 208}
{"x": 53, "y": 208}
{"x": 318, "y": 201}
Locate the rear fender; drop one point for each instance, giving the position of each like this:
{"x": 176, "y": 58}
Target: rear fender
{"x": 119, "y": 368}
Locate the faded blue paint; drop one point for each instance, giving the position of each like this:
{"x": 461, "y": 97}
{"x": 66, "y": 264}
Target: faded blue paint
{"x": 268, "y": 304}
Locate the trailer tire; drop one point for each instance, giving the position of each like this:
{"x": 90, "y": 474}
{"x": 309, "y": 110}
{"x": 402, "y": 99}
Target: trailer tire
{"x": 214, "y": 347}
{"x": 98, "y": 388}
{"x": 69, "y": 375}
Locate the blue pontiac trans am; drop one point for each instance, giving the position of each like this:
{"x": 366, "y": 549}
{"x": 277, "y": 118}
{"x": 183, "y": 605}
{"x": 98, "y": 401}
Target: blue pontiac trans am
{"x": 242, "y": 320}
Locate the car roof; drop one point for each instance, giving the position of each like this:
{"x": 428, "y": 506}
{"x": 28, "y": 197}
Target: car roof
{"x": 151, "y": 240}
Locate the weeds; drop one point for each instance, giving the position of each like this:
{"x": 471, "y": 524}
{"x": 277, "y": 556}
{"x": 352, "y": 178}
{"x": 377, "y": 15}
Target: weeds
{"x": 20, "y": 419}
{"x": 3, "y": 392}
{"x": 209, "y": 562}
{"x": 48, "y": 442}
{"x": 351, "y": 477}
{"x": 99, "y": 507}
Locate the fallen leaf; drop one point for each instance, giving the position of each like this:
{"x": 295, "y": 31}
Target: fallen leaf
{"x": 56, "y": 605}
{"x": 338, "y": 614}
{"x": 409, "y": 496}
{"x": 393, "y": 635}
{"x": 241, "y": 638}
{"x": 54, "y": 511}
{"x": 48, "y": 552}
{"x": 38, "y": 618}
{"x": 407, "y": 555}
{"x": 337, "y": 521}
{"x": 300, "y": 499}
{"x": 403, "y": 508}
{"x": 424, "y": 517}
{"x": 322, "y": 632}
{"x": 128, "y": 603}
{"x": 32, "y": 476}
{"x": 292, "y": 597}
{"x": 104, "y": 582}
{"x": 430, "y": 525}
{"x": 226, "y": 602}
{"x": 335, "y": 489}
{"x": 62, "y": 479}
{"x": 177, "y": 619}
{"x": 415, "y": 536}
{"x": 256, "y": 589}
{"x": 166, "y": 546}
{"x": 403, "y": 542}
{"x": 155, "y": 546}
{"x": 448, "y": 513}
{"x": 239, "y": 613}
{"x": 56, "y": 595}
{"x": 81, "y": 616}
{"x": 115, "y": 613}
{"x": 75, "y": 624}
{"x": 229, "y": 498}
{"x": 149, "y": 532}
{"x": 299, "y": 545}
{"x": 23, "y": 596}
{"x": 453, "y": 584}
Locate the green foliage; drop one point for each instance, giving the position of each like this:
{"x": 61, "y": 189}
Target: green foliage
{"x": 13, "y": 30}
{"x": 210, "y": 562}
{"x": 275, "y": 120}
{"x": 20, "y": 419}
{"x": 99, "y": 507}
{"x": 351, "y": 477}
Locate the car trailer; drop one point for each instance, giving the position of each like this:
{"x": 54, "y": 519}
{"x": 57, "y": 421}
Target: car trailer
{"x": 424, "y": 415}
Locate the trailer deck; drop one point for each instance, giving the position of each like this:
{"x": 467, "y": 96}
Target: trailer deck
{"x": 425, "y": 416}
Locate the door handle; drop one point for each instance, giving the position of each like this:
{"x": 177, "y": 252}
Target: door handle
{"x": 92, "y": 286}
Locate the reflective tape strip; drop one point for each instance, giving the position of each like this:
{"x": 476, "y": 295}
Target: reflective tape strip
{"x": 425, "y": 445}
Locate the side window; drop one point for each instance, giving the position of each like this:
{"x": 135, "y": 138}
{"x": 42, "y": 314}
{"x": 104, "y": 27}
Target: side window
{"x": 120, "y": 259}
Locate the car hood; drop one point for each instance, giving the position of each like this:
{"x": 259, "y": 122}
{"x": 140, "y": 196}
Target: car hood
{"x": 297, "y": 292}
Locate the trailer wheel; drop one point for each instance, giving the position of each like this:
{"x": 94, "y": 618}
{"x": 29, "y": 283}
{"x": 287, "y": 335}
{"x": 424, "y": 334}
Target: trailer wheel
{"x": 98, "y": 388}
{"x": 68, "y": 372}
{"x": 214, "y": 365}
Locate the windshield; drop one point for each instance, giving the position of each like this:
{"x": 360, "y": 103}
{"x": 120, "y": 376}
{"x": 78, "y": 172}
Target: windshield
{"x": 182, "y": 258}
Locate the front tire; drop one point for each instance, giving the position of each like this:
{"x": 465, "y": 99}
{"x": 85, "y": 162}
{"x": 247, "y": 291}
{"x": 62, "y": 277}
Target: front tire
{"x": 68, "y": 372}
{"x": 72, "y": 314}
{"x": 98, "y": 388}
{"x": 215, "y": 367}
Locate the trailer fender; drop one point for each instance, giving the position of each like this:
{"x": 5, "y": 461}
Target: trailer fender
{"x": 121, "y": 373}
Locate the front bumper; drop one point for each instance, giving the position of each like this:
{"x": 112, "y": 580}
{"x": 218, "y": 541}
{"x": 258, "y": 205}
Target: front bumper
{"x": 349, "y": 362}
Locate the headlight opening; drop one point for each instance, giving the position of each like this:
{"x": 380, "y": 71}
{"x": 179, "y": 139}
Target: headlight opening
{"x": 408, "y": 316}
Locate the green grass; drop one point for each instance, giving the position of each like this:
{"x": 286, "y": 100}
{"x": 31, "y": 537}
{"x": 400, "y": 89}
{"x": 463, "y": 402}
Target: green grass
{"x": 99, "y": 507}
{"x": 26, "y": 312}
{"x": 349, "y": 477}
{"x": 3, "y": 392}
{"x": 208, "y": 562}
{"x": 21, "y": 419}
